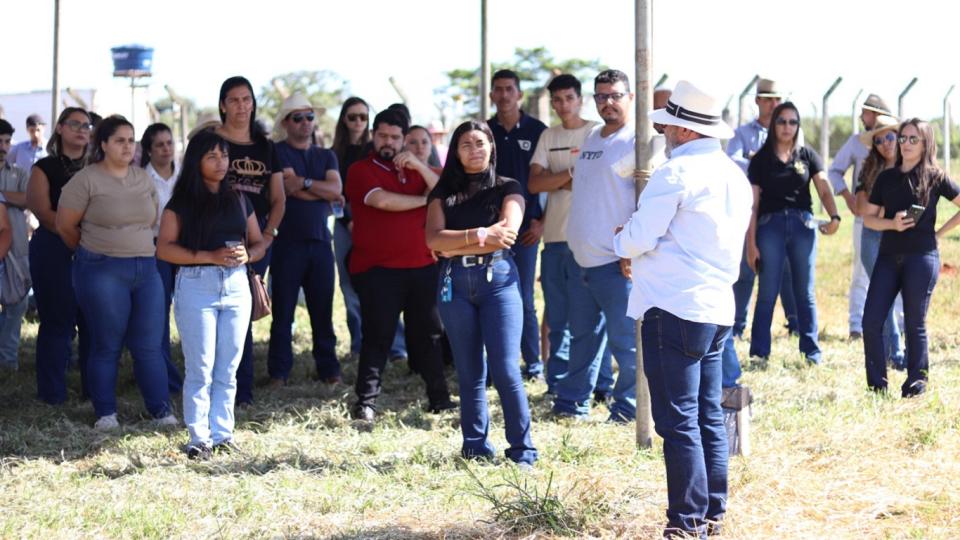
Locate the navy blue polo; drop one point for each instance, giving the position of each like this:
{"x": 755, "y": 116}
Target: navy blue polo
{"x": 514, "y": 153}
{"x": 306, "y": 220}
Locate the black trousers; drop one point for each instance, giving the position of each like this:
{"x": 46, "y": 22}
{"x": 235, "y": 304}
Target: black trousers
{"x": 385, "y": 293}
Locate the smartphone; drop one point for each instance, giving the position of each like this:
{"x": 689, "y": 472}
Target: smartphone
{"x": 337, "y": 207}
{"x": 915, "y": 211}
{"x": 233, "y": 243}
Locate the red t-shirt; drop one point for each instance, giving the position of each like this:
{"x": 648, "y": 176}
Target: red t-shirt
{"x": 381, "y": 238}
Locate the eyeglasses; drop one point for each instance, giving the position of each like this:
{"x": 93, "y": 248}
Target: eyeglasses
{"x": 912, "y": 139}
{"x": 880, "y": 139}
{"x": 300, "y": 117}
{"x": 791, "y": 122}
{"x": 77, "y": 125}
{"x": 602, "y": 98}
{"x": 353, "y": 117}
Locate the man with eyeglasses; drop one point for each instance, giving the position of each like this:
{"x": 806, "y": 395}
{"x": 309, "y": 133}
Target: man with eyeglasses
{"x": 602, "y": 198}
{"x": 303, "y": 251}
{"x": 852, "y": 154}
{"x": 516, "y": 135}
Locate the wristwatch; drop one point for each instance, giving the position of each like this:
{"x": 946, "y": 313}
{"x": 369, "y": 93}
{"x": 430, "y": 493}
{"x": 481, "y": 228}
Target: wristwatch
{"x": 307, "y": 183}
{"x": 481, "y": 236}
{"x": 835, "y": 217}
{"x": 272, "y": 232}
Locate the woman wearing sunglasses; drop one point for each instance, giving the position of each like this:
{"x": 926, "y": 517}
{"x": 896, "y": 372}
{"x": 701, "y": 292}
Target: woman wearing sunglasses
{"x": 783, "y": 230}
{"x": 903, "y": 205}
{"x": 882, "y": 141}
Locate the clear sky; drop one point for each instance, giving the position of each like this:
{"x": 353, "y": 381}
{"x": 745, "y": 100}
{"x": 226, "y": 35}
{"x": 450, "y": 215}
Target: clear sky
{"x": 719, "y": 45}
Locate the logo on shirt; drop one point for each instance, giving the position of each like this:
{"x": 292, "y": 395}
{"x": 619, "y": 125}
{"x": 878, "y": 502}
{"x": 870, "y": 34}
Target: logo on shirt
{"x": 524, "y": 145}
{"x": 590, "y": 156}
{"x": 248, "y": 175}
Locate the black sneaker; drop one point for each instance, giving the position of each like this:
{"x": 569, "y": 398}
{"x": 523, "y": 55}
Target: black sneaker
{"x": 199, "y": 452}
{"x": 363, "y": 412}
{"x": 601, "y": 397}
{"x": 914, "y": 389}
{"x": 225, "y": 447}
{"x": 441, "y": 406}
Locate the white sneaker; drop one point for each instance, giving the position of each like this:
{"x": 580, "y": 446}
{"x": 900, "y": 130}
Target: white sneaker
{"x": 167, "y": 421}
{"x": 107, "y": 423}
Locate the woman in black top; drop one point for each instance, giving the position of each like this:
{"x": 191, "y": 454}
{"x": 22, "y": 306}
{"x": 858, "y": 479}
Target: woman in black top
{"x": 783, "y": 229}
{"x": 255, "y": 171}
{"x": 51, "y": 261}
{"x": 472, "y": 220}
{"x": 903, "y": 204}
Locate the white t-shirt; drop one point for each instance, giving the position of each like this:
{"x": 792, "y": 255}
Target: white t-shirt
{"x": 601, "y": 199}
{"x": 557, "y": 151}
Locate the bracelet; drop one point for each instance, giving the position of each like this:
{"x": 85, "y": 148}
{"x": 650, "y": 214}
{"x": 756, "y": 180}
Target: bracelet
{"x": 835, "y": 217}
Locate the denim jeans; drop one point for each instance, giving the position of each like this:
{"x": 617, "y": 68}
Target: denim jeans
{"x": 342, "y": 243}
{"x": 558, "y": 273}
{"x": 681, "y": 360}
{"x": 122, "y": 300}
{"x": 598, "y": 318}
{"x": 786, "y": 237}
{"x": 167, "y": 273}
{"x": 212, "y": 309}
{"x": 308, "y": 264}
{"x": 730, "y": 366}
{"x": 51, "y": 270}
{"x": 526, "y": 261}
{"x": 743, "y": 289}
{"x": 11, "y": 319}
{"x": 488, "y": 315}
{"x": 245, "y": 372}
{"x": 914, "y": 275}
{"x": 869, "y": 251}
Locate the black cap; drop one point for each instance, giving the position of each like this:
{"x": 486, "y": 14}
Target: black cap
{"x": 35, "y": 120}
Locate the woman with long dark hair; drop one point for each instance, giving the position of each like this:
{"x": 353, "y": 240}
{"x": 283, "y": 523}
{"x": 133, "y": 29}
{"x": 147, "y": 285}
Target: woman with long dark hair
{"x": 51, "y": 261}
{"x": 903, "y": 205}
{"x": 157, "y": 158}
{"x": 472, "y": 220}
{"x": 255, "y": 171}
{"x": 882, "y": 141}
{"x": 211, "y": 233}
{"x": 107, "y": 212}
{"x": 783, "y": 230}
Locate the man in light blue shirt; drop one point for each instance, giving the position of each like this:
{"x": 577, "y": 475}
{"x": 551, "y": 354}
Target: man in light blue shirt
{"x": 25, "y": 154}
{"x": 685, "y": 241}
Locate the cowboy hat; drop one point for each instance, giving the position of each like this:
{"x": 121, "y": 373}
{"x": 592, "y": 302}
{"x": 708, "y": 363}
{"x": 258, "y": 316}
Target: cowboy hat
{"x": 691, "y": 108}
{"x": 206, "y": 120}
{"x": 767, "y": 88}
{"x": 884, "y": 123}
{"x": 876, "y": 104}
{"x": 296, "y": 102}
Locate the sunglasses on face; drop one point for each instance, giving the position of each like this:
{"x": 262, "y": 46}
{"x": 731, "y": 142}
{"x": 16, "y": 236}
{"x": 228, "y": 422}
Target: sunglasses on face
{"x": 602, "y": 98}
{"x": 353, "y": 117}
{"x": 785, "y": 122}
{"x": 912, "y": 139}
{"x": 77, "y": 125}
{"x": 880, "y": 139}
{"x": 300, "y": 117}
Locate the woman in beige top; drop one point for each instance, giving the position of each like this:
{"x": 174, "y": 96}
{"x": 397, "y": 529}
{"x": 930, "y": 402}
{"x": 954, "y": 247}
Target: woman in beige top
{"x": 107, "y": 212}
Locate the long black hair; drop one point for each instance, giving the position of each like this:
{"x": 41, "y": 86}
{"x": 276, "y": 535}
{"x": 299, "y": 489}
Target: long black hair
{"x": 257, "y": 132}
{"x": 454, "y": 185}
{"x": 146, "y": 140}
{"x": 103, "y": 132}
{"x": 341, "y": 135}
{"x": 192, "y": 195}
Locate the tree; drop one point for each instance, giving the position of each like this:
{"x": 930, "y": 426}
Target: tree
{"x": 323, "y": 89}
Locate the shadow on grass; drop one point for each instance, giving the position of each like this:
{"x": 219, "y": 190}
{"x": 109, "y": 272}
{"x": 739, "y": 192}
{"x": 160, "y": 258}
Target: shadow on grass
{"x": 400, "y": 532}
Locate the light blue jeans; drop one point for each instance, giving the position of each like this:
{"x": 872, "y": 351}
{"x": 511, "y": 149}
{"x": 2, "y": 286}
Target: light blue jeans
{"x": 10, "y": 321}
{"x": 211, "y": 305}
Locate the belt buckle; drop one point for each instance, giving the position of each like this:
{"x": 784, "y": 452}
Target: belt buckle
{"x": 469, "y": 261}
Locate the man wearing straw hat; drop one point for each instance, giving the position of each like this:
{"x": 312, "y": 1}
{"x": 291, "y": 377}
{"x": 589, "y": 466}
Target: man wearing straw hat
{"x": 852, "y": 154}
{"x": 685, "y": 241}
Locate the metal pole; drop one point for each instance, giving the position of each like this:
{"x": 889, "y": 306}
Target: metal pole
{"x": 825, "y": 122}
{"x": 854, "y": 109}
{"x": 55, "y": 91}
{"x": 644, "y": 97}
{"x": 903, "y": 95}
{"x": 484, "y": 64}
{"x": 946, "y": 130}
{"x": 743, "y": 95}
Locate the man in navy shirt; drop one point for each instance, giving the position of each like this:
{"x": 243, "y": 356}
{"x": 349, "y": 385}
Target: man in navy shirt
{"x": 302, "y": 252}
{"x": 516, "y": 136}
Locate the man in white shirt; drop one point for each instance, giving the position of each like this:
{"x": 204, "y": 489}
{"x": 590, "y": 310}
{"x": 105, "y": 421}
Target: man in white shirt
{"x": 602, "y": 198}
{"x": 551, "y": 172}
{"x": 685, "y": 240}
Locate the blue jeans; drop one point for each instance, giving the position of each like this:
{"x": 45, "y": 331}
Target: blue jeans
{"x": 682, "y": 362}
{"x": 167, "y": 273}
{"x": 743, "y": 288}
{"x": 869, "y": 251}
{"x": 558, "y": 273}
{"x": 246, "y": 369}
{"x": 212, "y": 309}
{"x": 598, "y": 318}
{"x": 51, "y": 266}
{"x": 122, "y": 299}
{"x": 342, "y": 243}
{"x": 526, "y": 260}
{"x": 10, "y": 321}
{"x": 488, "y": 315}
{"x": 730, "y": 364}
{"x": 914, "y": 275}
{"x": 308, "y": 264}
{"x": 786, "y": 237}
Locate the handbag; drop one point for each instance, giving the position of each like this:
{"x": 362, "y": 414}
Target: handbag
{"x": 260, "y": 300}
{"x": 15, "y": 281}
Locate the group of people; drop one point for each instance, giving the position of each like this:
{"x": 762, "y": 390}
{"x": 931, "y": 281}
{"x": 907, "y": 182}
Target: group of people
{"x": 438, "y": 263}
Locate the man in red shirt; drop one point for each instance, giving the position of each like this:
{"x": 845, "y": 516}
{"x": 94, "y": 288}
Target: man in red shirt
{"x": 391, "y": 267}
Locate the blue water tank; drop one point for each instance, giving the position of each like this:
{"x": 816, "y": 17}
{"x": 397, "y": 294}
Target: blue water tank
{"x": 132, "y": 61}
